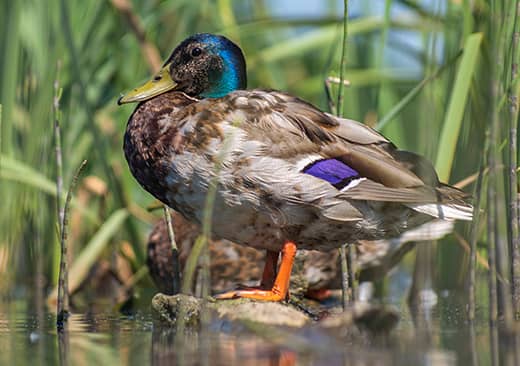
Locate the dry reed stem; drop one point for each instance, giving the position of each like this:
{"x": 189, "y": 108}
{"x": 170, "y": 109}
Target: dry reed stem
{"x": 149, "y": 50}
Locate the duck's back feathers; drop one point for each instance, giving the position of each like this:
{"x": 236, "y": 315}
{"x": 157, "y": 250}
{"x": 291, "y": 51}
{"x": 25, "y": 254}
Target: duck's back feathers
{"x": 331, "y": 148}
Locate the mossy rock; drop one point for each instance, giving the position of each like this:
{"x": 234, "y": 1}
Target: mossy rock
{"x": 359, "y": 316}
{"x": 167, "y": 309}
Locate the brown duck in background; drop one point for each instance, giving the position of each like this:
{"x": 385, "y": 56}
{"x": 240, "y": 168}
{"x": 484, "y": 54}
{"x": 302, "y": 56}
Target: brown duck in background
{"x": 313, "y": 274}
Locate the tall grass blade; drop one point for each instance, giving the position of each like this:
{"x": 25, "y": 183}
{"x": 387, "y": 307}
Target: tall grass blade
{"x": 16, "y": 171}
{"x": 10, "y": 66}
{"x": 315, "y": 39}
{"x": 457, "y": 105}
{"x": 394, "y": 112}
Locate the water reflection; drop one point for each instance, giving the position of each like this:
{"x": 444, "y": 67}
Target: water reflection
{"x": 208, "y": 348}
{"x": 63, "y": 346}
{"x": 442, "y": 337}
{"x": 222, "y": 348}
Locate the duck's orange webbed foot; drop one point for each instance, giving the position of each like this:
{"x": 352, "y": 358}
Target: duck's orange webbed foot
{"x": 280, "y": 288}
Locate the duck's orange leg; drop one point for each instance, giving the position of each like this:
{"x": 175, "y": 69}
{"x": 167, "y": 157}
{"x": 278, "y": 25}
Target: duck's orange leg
{"x": 279, "y": 290}
{"x": 270, "y": 269}
{"x": 269, "y": 274}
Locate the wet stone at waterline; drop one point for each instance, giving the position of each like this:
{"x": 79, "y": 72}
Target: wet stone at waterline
{"x": 168, "y": 309}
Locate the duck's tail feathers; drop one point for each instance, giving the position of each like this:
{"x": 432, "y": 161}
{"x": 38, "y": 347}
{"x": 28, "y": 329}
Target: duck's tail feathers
{"x": 445, "y": 211}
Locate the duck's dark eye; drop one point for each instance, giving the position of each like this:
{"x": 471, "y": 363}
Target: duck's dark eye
{"x": 196, "y": 52}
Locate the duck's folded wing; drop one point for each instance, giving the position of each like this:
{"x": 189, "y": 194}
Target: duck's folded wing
{"x": 358, "y": 161}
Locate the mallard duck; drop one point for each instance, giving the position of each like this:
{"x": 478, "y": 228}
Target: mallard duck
{"x": 317, "y": 272}
{"x": 286, "y": 175}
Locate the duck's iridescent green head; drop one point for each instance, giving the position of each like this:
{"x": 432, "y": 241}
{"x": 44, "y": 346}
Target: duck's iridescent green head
{"x": 203, "y": 65}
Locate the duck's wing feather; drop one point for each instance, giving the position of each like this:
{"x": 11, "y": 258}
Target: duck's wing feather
{"x": 312, "y": 131}
{"x": 360, "y": 162}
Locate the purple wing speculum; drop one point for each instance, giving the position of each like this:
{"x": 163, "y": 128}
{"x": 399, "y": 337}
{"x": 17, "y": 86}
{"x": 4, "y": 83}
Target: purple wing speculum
{"x": 333, "y": 171}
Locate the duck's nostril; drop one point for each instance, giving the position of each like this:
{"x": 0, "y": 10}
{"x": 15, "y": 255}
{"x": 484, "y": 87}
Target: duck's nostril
{"x": 157, "y": 78}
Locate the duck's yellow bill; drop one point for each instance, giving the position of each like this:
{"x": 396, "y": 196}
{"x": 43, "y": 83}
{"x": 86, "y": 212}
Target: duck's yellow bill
{"x": 161, "y": 83}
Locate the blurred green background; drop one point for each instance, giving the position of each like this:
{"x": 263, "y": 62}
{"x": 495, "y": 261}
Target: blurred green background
{"x": 70, "y": 60}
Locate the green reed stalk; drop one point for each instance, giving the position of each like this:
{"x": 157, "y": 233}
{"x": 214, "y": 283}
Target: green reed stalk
{"x": 499, "y": 80}
{"x": 513, "y": 95}
{"x": 383, "y": 99}
{"x": 345, "y": 277}
{"x": 473, "y": 243}
{"x": 57, "y": 138}
{"x": 10, "y": 62}
{"x": 351, "y": 265}
{"x": 457, "y": 105}
{"x": 499, "y": 301}
{"x": 345, "y": 250}
{"x": 343, "y": 62}
{"x": 176, "y": 281}
{"x": 492, "y": 275}
{"x": 63, "y": 285}
{"x": 63, "y": 282}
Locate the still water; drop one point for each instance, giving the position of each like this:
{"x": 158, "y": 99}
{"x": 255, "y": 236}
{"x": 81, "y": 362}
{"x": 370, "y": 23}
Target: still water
{"x": 441, "y": 336}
